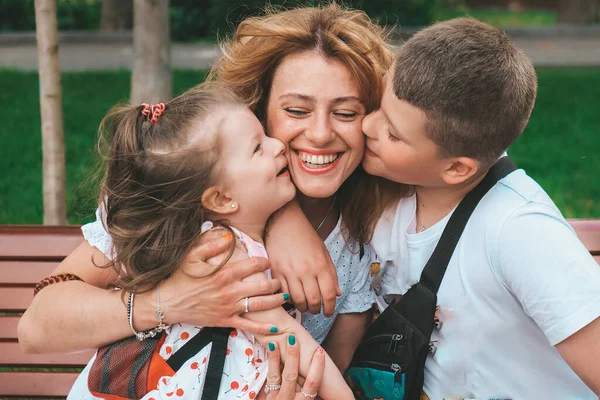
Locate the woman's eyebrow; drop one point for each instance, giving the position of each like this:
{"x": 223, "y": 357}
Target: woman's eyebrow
{"x": 298, "y": 96}
{"x": 346, "y": 99}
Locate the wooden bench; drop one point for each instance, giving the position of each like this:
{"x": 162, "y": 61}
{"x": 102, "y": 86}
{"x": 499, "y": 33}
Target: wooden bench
{"x": 29, "y": 254}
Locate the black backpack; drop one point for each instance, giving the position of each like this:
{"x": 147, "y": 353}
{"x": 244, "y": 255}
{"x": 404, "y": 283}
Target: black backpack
{"x": 389, "y": 363}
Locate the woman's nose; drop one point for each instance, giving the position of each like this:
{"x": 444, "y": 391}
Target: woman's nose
{"x": 320, "y": 132}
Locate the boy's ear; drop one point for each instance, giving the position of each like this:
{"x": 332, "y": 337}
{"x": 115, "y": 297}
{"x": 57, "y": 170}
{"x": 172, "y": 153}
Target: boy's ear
{"x": 459, "y": 170}
{"x": 216, "y": 201}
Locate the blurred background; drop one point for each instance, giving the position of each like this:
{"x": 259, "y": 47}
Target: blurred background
{"x": 560, "y": 147}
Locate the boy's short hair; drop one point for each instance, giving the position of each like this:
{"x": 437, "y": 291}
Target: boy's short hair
{"x": 475, "y": 86}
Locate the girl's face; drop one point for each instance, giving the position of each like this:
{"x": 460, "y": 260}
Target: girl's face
{"x": 254, "y": 166}
{"x": 315, "y": 109}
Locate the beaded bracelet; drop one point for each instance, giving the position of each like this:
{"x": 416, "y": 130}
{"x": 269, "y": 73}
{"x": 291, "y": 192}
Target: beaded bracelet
{"x": 55, "y": 279}
{"x": 150, "y": 333}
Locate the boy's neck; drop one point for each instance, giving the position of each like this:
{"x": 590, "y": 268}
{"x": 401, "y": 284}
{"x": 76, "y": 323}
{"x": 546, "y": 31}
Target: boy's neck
{"x": 435, "y": 203}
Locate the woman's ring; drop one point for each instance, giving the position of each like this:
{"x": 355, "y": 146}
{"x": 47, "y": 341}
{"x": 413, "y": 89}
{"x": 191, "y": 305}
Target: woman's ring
{"x": 271, "y": 388}
{"x": 246, "y": 301}
{"x": 310, "y": 396}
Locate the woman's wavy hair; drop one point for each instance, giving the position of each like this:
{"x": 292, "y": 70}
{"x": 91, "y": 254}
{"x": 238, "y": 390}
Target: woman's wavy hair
{"x": 154, "y": 177}
{"x": 252, "y": 55}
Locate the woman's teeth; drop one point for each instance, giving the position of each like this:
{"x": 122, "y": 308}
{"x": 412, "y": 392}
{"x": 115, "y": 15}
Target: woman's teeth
{"x": 312, "y": 160}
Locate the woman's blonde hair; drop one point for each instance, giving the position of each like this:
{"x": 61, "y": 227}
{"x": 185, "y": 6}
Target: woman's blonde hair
{"x": 251, "y": 57}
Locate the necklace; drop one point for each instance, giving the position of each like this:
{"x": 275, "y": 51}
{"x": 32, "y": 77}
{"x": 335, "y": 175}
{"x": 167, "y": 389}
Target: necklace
{"x": 326, "y": 215}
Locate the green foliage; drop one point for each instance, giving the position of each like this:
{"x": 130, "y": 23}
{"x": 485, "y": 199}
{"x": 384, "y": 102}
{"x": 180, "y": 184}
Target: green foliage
{"x": 560, "y": 147}
{"x": 19, "y": 15}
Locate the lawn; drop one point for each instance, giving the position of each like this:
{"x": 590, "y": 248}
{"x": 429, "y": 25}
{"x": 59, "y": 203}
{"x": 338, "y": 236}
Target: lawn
{"x": 560, "y": 147}
{"x": 501, "y": 18}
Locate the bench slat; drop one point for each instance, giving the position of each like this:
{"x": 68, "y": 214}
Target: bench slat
{"x": 8, "y": 327}
{"x": 38, "y": 242}
{"x": 25, "y": 384}
{"x": 15, "y": 298}
{"x": 11, "y": 355}
{"x": 588, "y": 231}
{"x": 25, "y": 272}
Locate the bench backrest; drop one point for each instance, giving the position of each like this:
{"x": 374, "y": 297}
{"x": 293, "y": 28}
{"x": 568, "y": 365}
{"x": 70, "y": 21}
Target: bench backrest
{"x": 29, "y": 254}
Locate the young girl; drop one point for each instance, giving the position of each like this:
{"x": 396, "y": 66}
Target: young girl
{"x": 199, "y": 164}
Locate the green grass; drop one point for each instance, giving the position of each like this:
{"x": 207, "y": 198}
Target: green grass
{"x": 502, "y": 18}
{"x": 560, "y": 148}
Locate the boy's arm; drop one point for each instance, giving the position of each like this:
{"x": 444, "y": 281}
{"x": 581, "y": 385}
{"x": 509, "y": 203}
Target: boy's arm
{"x": 542, "y": 262}
{"x": 300, "y": 260}
{"x": 582, "y": 352}
{"x": 345, "y": 336}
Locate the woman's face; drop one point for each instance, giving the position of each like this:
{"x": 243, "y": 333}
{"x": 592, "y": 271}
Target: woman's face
{"x": 315, "y": 109}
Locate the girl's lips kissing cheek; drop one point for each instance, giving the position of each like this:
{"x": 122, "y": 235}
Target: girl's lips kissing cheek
{"x": 317, "y": 163}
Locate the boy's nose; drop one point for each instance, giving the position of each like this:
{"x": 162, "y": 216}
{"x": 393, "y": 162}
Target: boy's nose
{"x": 368, "y": 124}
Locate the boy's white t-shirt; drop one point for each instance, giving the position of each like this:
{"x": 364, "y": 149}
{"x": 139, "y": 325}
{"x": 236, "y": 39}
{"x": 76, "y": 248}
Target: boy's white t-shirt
{"x": 519, "y": 282}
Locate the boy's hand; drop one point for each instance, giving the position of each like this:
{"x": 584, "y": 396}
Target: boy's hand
{"x": 300, "y": 260}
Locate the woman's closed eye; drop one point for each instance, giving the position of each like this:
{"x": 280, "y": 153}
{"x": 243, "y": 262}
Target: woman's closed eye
{"x": 296, "y": 112}
{"x": 346, "y": 115}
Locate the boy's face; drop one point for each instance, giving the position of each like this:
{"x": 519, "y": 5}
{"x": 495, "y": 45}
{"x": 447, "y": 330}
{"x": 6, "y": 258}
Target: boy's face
{"x": 397, "y": 147}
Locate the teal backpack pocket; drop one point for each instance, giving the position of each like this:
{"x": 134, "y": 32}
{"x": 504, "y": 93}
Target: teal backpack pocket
{"x": 373, "y": 381}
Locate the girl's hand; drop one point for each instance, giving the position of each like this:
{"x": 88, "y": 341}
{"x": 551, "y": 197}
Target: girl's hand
{"x": 301, "y": 261}
{"x": 217, "y": 300}
{"x": 289, "y": 383}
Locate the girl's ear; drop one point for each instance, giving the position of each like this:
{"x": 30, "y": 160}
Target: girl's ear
{"x": 217, "y": 202}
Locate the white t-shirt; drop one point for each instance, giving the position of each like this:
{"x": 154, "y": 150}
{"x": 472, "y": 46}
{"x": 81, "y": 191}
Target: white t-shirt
{"x": 519, "y": 282}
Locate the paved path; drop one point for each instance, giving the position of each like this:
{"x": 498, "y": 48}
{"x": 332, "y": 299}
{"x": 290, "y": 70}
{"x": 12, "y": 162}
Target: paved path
{"x": 545, "y": 51}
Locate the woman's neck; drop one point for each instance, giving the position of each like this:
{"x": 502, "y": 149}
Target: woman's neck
{"x": 322, "y": 213}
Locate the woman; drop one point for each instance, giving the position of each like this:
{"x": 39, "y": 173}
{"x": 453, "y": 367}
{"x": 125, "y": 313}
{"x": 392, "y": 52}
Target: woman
{"x": 311, "y": 74}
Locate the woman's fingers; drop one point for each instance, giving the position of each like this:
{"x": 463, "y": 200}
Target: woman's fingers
{"x": 261, "y": 303}
{"x": 274, "y": 371}
{"x": 257, "y": 328}
{"x": 296, "y": 290}
{"x": 329, "y": 289}
{"x": 315, "y": 373}
{"x": 290, "y": 370}
{"x": 212, "y": 248}
{"x": 246, "y": 267}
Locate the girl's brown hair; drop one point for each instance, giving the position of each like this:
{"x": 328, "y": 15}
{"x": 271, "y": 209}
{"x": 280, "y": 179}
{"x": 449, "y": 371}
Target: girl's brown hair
{"x": 154, "y": 178}
{"x": 251, "y": 57}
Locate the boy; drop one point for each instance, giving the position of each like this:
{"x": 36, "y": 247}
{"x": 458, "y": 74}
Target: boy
{"x": 520, "y": 300}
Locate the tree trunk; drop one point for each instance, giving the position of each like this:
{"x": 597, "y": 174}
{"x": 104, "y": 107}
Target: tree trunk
{"x": 151, "y": 77}
{"x": 53, "y": 146}
{"x": 117, "y": 15}
{"x": 577, "y": 12}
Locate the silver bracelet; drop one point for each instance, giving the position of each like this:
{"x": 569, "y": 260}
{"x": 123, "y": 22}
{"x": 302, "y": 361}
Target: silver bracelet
{"x": 150, "y": 333}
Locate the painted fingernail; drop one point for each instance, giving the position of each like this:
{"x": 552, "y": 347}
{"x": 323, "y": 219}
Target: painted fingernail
{"x": 286, "y": 297}
{"x": 228, "y": 237}
{"x": 271, "y": 346}
{"x": 292, "y": 340}
{"x": 320, "y": 350}
{"x": 273, "y": 329}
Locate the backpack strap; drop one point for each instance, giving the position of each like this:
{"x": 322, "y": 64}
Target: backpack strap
{"x": 214, "y": 372}
{"x": 434, "y": 270}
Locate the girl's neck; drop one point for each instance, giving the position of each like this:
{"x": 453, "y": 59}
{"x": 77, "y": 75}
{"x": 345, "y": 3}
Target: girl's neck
{"x": 251, "y": 227}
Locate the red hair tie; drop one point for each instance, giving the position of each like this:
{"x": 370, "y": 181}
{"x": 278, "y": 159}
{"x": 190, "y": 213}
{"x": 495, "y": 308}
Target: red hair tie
{"x": 153, "y": 112}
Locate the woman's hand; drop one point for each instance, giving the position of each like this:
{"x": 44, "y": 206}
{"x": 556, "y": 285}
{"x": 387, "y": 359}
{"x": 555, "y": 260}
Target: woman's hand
{"x": 217, "y": 300}
{"x": 289, "y": 387}
{"x": 301, "y": 261}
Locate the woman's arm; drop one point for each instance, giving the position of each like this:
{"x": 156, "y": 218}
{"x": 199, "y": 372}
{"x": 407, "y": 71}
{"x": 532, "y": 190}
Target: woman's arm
{"x": 345, "y": 336}
{"x": 301, "y": 261}
{"x": 73, "y": 316}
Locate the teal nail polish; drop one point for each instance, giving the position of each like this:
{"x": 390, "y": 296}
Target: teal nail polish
{"x": 273, "y": 329}
{"x": 271, "y": 346}
{"x": 286, "y": 297}
{"x": 292, "y": 340}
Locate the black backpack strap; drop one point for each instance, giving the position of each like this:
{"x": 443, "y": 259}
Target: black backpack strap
{"x": 216, "y": 362}
{"x": 434, "y": 270}
{"x": 190, "y": 349}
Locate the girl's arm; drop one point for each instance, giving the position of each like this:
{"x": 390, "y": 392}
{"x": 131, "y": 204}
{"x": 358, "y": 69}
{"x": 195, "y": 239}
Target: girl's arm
{"x": 73, "y": 316}
{"x": 300, "y": 260}
{"x": 345, "y": 336}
